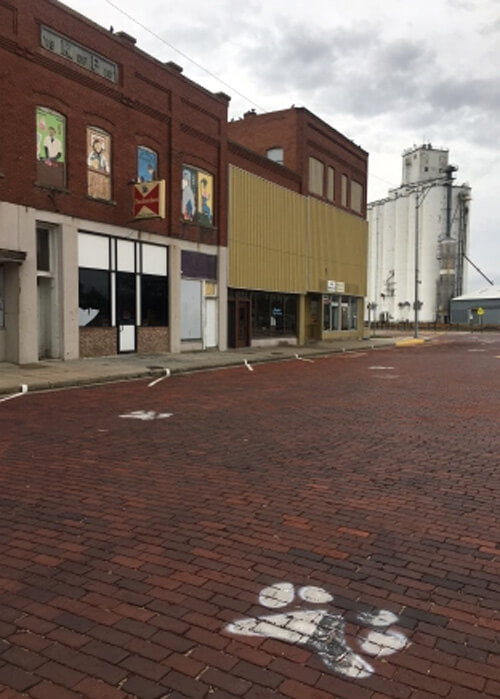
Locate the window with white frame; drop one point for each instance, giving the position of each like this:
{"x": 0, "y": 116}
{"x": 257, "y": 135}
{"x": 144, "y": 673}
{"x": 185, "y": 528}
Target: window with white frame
{"x": 112, "y": 271}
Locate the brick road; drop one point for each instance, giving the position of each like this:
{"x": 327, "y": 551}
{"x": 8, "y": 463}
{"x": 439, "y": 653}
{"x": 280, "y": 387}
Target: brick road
{"x": 130, "y": 545}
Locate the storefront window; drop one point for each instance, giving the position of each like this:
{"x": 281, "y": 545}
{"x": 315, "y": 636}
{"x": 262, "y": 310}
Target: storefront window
{"x": 345, "y": 313}
{"x": 273, "y": 314}
{"x": 353, "y": 313}
{"x": 154, "y": 302}
{"x": 340, "y": 313}
{"x": 94, "y": 297}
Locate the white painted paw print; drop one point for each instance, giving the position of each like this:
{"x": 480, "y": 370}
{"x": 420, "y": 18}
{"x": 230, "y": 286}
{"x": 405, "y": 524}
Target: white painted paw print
{"x": 322, "y": 630}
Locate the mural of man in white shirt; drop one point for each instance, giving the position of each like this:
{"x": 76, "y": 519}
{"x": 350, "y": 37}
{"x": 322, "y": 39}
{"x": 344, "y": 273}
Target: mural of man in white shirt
{"x": 52, "y": 146}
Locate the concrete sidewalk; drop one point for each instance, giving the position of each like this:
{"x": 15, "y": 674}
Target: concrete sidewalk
{"x": 55, "y": 373}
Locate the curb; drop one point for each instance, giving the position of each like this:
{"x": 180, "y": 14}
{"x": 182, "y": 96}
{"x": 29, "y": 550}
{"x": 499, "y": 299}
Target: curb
{"x": 409, "y": 343}
{"x": 157, "y": 370}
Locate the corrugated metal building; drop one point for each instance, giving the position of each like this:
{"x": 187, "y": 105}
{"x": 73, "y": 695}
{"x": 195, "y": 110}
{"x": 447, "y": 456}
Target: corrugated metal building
{"x": 479, "y": 308}
{"x": 297, "y": 232}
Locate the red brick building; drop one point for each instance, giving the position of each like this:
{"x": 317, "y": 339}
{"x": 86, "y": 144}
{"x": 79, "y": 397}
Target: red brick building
{"x": 86, "y": 115}
{"x": 330, "y": 166}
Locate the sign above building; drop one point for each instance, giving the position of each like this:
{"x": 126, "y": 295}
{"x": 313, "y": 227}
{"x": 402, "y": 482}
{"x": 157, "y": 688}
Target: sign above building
{"x": 83, "y": 57}
{"x": 149, "y": 199}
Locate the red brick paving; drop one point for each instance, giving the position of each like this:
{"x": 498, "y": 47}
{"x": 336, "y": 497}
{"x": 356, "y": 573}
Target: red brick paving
{"x": 127, "y": 546}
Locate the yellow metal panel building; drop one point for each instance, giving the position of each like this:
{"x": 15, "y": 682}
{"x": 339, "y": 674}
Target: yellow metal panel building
{"x": 338, "y": 244}
{"x": 268, "y": 235}
{"x": 282, "y": 241}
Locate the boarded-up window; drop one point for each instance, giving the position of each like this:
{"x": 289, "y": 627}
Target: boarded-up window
{"x": 197, "y": 196}
{"x": 98, "y": 163}
{"x": 316, "y": 169}
{"x": 147, "y": 164}
{"x": 356, "y": 196}
{"x": 50, "y": 147}
{"x": 330, "y": 185}
{"x": 344, "y": 191}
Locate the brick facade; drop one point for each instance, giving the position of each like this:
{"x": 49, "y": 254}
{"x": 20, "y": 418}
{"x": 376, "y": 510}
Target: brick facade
{"x": 151, "y": 104}
{"x": 301, "y": 134}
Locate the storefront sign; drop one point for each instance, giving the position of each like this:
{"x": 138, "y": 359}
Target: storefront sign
{"x": 335, "y": 287}
{"x": 149, "y": 199}
{"x": 85, "y": 58}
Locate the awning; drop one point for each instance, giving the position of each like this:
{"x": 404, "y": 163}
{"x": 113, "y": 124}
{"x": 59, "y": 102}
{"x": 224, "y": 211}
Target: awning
{"x": 12, "y": 255}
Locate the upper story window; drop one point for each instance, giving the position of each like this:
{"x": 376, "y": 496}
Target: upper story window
{"x": 50, "y": 147}
{"x": 330, "y": 184}
{"x": 43, "y": 250}
{"x": 197, "y": 196}
{"x": 98, "y": 163}
{"x": 147, "y": 164}
{"x": 356, "y": 197}
{"x": 343, "y": 193}
{"x": 276, "y": 154}
{"x": 316, "y": 173}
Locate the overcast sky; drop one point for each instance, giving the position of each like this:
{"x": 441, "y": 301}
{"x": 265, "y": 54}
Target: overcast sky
{"x": 388, "y": 75}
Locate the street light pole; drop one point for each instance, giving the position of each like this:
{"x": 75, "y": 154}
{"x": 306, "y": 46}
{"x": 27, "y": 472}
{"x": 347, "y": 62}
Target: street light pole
{"x": 417, "y": 206}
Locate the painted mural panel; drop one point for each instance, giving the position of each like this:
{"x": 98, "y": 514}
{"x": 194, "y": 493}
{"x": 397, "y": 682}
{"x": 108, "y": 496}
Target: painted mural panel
{"x": 50, "y": 147}
{"x": 197, "y": 196}
{"x": 205, "y": 196}
{"x": 147, "y": 164}
{"x": 98, "y": 163}
{"x": 189, "y": 188}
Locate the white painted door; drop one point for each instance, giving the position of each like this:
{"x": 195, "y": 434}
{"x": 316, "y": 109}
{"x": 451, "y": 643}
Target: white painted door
{"x": 126, "y": 338}
{"x": 211, "y": 324}
{"x": 191, "y": 309}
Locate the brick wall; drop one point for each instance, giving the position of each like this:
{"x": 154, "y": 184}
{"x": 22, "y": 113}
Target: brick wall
{"x": 301, "y": 134}
{"x": 261, "y": 166}
{"x": 152, "y": 105}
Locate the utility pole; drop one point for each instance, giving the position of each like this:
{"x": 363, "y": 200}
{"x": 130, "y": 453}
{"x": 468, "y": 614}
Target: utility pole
{"x": 417, "y": 271}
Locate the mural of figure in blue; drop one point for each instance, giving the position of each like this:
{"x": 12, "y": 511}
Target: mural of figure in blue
{"x": 188, "y": 194}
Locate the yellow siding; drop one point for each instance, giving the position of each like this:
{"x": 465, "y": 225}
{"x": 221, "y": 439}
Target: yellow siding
{"x": 337, "y": 249}
{"x": 283, "y": 241}
{"x": 267, "y": 235}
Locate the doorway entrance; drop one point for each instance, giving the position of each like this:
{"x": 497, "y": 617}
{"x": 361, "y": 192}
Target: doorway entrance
{"x": 126, "y": 311}
{"x": 44, "y": 292}
{"x": 239, "y": 318}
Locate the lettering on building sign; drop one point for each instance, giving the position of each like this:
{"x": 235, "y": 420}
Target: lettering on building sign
{"x": 323, "y": 630}
{"x": 71, "y": 51}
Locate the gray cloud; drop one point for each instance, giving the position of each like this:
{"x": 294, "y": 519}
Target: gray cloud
{"x": 349, "y": 68}
{"x": 356, "y": 73}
